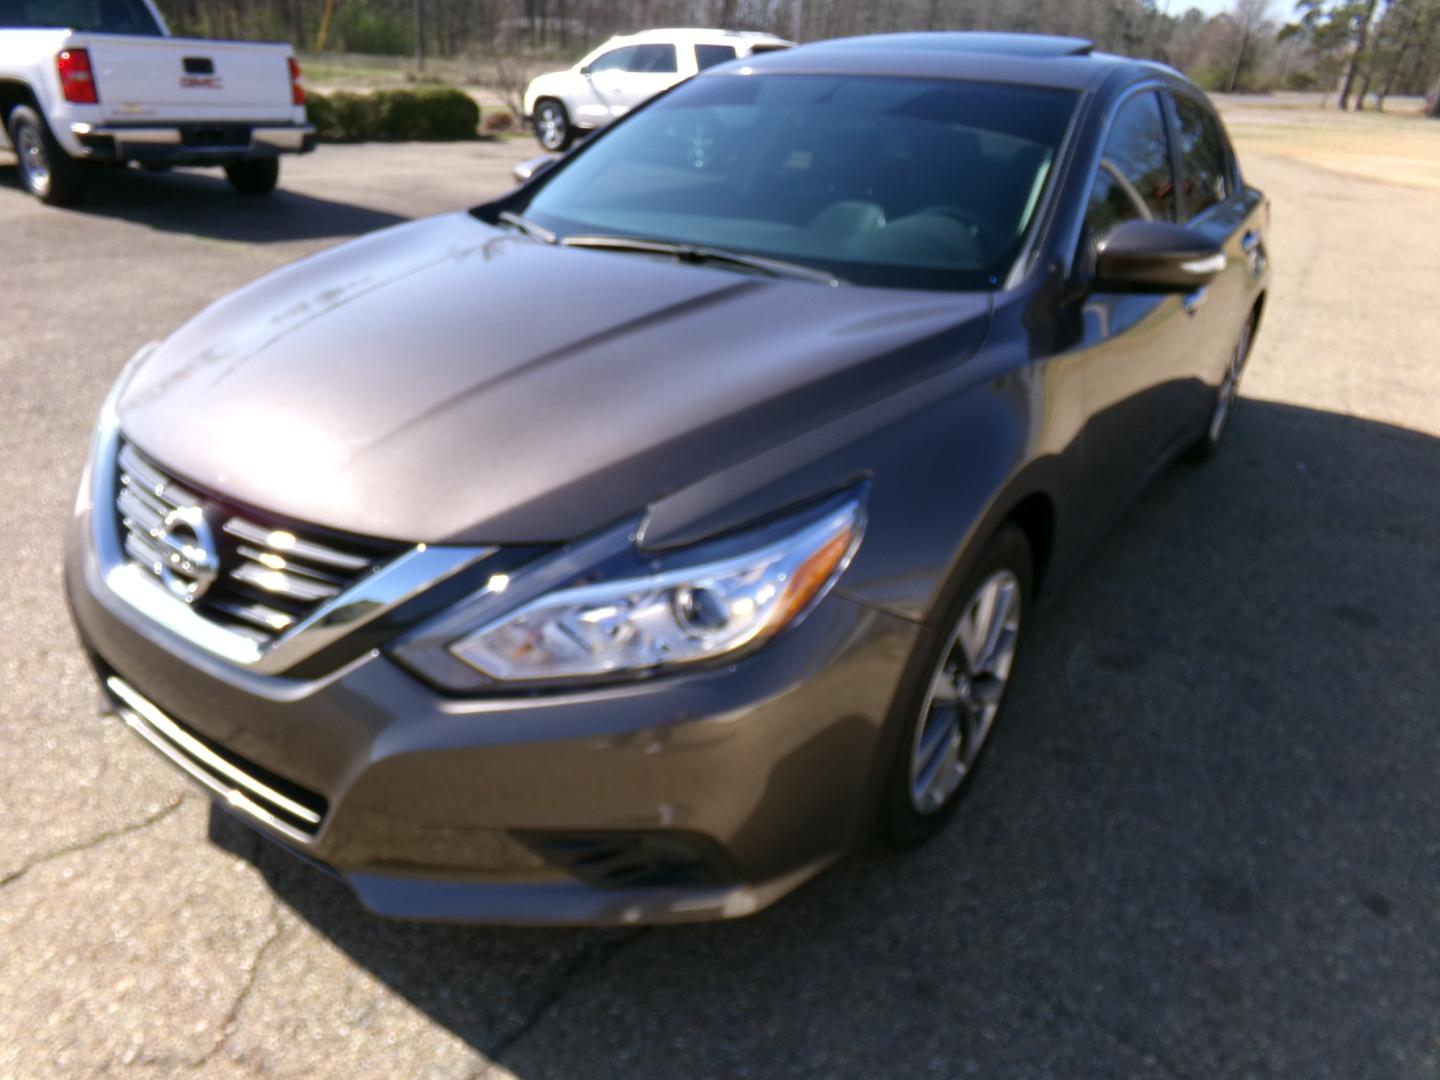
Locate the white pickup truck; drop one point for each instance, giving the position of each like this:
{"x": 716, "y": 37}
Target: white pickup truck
{"x": 89, "y": 82}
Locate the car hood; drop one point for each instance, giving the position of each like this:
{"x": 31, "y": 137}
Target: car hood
{"x": 447, "y": 381}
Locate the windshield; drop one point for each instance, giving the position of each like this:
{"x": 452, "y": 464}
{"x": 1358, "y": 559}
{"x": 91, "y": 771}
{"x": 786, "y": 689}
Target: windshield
{"x": 97, "y": 16}
{"x": 897, "y": 182}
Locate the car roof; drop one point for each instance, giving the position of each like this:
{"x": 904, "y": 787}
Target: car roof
{"x": 695, "y": 35}
{"x": 1029, "y": 59}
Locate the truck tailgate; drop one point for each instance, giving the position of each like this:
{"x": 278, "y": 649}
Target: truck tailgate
{"x": 145, "y": 78}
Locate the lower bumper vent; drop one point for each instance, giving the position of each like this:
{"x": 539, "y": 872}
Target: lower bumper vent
{"x": 633, "y": 860}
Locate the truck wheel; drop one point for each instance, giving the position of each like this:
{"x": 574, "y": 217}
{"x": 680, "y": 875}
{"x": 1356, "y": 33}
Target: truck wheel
{"x": 46, "y": 170}
{"x": 257, "y": 177}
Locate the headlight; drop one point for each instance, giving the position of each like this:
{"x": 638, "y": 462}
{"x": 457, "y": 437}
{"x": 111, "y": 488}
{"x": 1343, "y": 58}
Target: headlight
{"x": 676, "y": 616}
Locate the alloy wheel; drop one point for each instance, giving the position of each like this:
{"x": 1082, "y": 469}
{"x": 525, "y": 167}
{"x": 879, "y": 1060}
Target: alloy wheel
{"x": 1230, "y": 387}
{"x": 550, "y": 124}
{"x": 34, "y": 162}
{"x": 965, "y": 692}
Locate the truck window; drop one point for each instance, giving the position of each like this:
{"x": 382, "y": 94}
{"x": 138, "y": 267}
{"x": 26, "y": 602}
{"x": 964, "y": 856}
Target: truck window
{"x": 94, "y": 16}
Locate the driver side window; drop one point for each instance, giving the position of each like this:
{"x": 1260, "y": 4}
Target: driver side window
{"x": 614, "y": 60}
{"x": 1135, "y": 180}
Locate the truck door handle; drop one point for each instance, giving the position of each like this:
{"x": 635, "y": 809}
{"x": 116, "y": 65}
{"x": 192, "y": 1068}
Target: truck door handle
{"x": 1192, "y": 302}
{"x": 1250, "y": 241}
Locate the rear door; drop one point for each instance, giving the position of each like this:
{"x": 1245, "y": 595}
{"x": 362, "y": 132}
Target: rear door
{"x": 1141, "y": 349}
{"x": 148, "y": 78}
{"x": 1220, "y": 208}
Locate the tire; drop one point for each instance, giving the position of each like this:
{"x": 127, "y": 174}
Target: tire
{"x": 46, "y": 170}
{"x": 1226, "y": 394}
{"x": 553, "y": 129}
{"x": 913, "y": 811}
{"x": 254, "y": 178}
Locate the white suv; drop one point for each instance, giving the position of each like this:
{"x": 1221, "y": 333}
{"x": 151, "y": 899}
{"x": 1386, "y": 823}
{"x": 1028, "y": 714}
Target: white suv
{"x": 626, "y": 71}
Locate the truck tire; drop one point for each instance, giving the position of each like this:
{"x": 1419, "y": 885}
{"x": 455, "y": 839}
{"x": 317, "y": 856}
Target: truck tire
{"x": 46, "y": 170}
{"x": 256, "y": 177}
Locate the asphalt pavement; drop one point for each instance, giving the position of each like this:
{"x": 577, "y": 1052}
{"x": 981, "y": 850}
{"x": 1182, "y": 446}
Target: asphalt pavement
{"x": 1206, "y": 843}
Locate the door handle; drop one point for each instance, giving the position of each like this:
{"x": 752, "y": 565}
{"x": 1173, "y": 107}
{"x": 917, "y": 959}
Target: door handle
{"x": 1250, "y": 241}
{"x": 1192, "y": 302}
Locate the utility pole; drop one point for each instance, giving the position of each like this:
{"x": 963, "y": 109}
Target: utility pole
{"x": 419, "y": 35}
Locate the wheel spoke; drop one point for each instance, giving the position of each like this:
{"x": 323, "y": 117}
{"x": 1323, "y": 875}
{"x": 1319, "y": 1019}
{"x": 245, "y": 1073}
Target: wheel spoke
{"x": 1000, "y": 613}
{"x": 940, "y": 772}
{"x": 942, "y": 727}
{"x": 943, "y": 688}
{"x": 975, "y": 625}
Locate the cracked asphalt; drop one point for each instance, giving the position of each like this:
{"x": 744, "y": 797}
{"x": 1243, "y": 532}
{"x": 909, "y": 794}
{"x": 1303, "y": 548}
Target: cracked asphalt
{"x": 1206, "y": 843}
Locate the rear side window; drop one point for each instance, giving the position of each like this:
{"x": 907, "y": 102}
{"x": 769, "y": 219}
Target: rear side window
{"x": 1202, "y": 156}
{"x": 709, "y": 55}
{"x": 652, "y": 59}
{"x": 1135, "y": 180}
{"x": 93, "y": 16}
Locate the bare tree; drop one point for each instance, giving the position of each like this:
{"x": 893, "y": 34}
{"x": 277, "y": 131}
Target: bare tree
{"x": 1363, "y": 18}
{"x": 1250, "y": 17}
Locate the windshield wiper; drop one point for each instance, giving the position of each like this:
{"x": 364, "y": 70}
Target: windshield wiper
{"x": 696, "y": 253}
{"x": 528, "y": 227}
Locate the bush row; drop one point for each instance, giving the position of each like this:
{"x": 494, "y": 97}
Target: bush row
{"x": 422, "y": 112}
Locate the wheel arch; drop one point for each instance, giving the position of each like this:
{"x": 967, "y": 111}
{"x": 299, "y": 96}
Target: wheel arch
{"x": 14, "y": 93}
{"x": 1035, "y": 516}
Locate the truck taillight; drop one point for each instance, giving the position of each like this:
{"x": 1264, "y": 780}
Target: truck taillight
{"x": 297, "y": 83}
{"x": 77, "y": 80}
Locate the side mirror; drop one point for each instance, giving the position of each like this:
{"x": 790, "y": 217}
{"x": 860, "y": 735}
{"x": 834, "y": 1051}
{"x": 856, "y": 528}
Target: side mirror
{"x": 528, "y": 170}
{"x": 1156, "y": 256}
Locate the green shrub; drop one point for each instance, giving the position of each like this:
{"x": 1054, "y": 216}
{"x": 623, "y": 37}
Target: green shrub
{"x": 421, "y": 113}
{"x": 320, "y": 112}
{"x": 426, "y": 112}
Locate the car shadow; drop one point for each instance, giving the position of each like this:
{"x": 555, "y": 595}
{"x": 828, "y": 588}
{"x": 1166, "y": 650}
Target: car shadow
{"x": 204, "y": 204}
{"x": 1203, "y": 844}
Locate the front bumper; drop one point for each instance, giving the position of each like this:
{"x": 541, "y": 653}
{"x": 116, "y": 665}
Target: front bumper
{"x": 192, "y": 143}
{"x": 703, "y": 795}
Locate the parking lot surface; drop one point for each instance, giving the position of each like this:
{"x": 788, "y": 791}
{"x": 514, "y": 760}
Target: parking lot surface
{"x": 1206, "y": 843}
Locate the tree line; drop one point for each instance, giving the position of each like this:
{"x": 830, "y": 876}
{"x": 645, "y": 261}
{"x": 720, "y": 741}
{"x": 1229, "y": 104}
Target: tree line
{"x": 1361, "y": 51}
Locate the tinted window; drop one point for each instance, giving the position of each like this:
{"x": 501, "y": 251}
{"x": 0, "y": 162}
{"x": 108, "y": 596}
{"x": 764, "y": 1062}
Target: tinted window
{"x": 710, "y": 55}
{"x": 1202, "y": 156}
{"x": 906, "y": 183}
{"x": 614, "y": 60}
{"x": 652, "y": 59}
{"x": 95, "y": 16}
{"x": 1135, "y": 181}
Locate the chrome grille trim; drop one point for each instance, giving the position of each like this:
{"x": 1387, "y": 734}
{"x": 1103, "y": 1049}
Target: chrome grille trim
{"x": 222, "y": 776}
{"x": 126, "y": 554}
{"x": 284, "y": 543}
{"x": 269, "y": 572}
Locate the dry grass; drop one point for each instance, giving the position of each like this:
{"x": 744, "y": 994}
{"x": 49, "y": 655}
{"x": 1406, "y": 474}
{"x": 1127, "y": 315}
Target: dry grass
{"x": 1398, "y": 146}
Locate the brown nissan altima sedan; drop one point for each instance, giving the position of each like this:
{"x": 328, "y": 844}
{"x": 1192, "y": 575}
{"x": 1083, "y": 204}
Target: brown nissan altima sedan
{"x": 631, "y": 547}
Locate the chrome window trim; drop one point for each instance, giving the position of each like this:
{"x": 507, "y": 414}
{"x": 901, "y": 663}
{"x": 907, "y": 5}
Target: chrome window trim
{"x": 402, "y": 578}
{"x": 1068, "y": 233}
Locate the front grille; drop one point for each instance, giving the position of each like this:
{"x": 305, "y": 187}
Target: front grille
{"x": 286, "y": 806}
{"x": 245, "y": 571}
